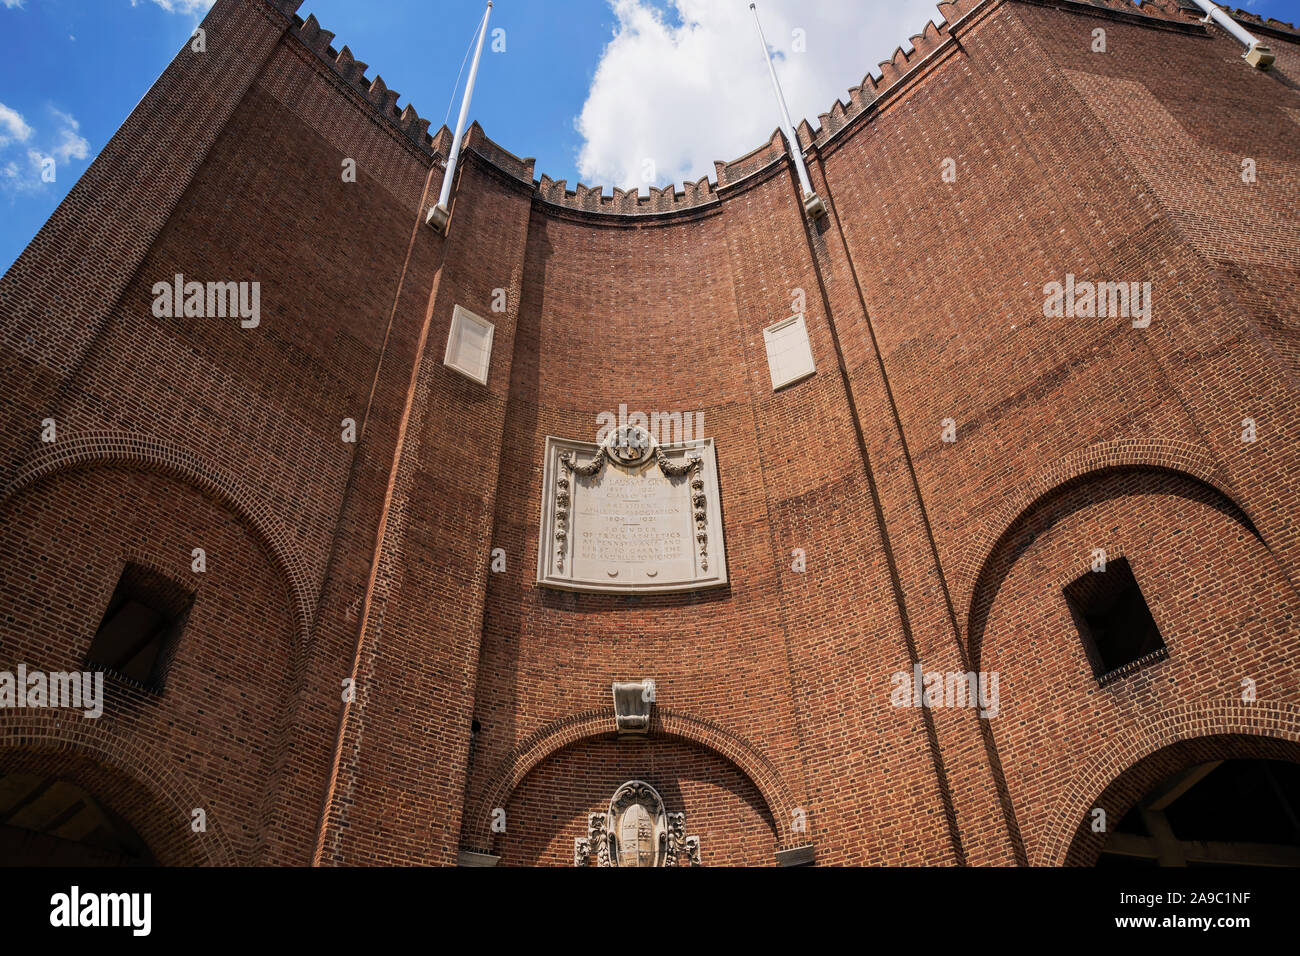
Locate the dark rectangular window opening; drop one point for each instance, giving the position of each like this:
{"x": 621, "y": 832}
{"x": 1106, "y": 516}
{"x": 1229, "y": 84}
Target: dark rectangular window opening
{"x": 1118, "y": 631}
{"x": 140, "y": 630}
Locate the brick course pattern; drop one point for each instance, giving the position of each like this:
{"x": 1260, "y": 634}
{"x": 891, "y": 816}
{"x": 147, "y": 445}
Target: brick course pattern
{"x": 478, "y": 693}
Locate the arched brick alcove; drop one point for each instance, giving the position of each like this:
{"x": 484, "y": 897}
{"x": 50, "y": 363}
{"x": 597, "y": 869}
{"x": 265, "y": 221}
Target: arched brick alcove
{"x": 598, "y": 724}
{"x": 136, "y": 782}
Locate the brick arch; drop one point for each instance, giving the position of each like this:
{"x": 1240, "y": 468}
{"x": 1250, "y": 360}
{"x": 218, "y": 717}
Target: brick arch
{"x": 136, "y": 782}
{"x": 95, "y": 449}
{"x": 599, "y": 722}
{"x": 1217, "y": 729}
{"x": 1094, "y": 460}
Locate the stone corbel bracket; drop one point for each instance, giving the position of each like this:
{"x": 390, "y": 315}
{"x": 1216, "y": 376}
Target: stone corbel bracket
{"x": 632, "y": 702}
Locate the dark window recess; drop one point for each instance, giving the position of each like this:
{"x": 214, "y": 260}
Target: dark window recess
{"x": 140, "y": 629}
{"x": 1118, "y": 631}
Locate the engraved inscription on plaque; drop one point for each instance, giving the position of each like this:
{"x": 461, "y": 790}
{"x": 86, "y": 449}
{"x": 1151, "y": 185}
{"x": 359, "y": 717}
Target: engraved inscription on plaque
{"x": 630, "y": 515}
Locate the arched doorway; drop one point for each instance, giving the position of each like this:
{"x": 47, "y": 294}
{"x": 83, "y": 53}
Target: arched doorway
{"x": 1236, "y": 812}
{"x": 51, "y": 821}
{"x": 122, "y": 805}
{"x": 1218, "y": 800}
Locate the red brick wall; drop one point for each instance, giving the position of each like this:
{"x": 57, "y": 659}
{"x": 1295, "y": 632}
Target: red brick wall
{"x": 112, "y": 217}
{"x": 407, "y": 742}
{"x": 952, "y": 275}
{"x": 254, "y": 414}
{"x": 598, "y": 301}
{"x": 1223, "y": 607}
{"x": 1184, "y": 143}
{"x": 923, "y": 300}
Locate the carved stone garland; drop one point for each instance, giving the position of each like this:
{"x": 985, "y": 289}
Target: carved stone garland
{"x": 597, "y": 840}
{"x": 681, "y": 846}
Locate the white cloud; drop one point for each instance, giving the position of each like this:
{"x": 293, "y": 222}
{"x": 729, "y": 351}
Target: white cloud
{"x": 12, "y": 126}
{"x": 71, "y": 144}
{"x": 15, "y": 180}
{"x": 63, "y": 144}
{"x": 180, "y": 6}
{"x": 12, "y": 3}
{"x": 684, "y": 90}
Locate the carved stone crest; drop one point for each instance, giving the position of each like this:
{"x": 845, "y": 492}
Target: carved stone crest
{"x": 637, "y": 831}
{"x": 629, "y": 445}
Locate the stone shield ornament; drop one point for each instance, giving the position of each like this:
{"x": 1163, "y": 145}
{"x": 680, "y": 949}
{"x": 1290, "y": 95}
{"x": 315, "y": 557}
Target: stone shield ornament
{"x": 638, "y": 826}
{"x": 637, "y": 831}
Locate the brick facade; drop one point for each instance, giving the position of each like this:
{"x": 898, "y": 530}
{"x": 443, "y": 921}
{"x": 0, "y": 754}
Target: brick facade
{"x": 479, "y": 692}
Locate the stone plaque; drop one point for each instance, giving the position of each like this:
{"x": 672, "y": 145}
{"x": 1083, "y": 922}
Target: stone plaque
{"x": 630, "y": 515}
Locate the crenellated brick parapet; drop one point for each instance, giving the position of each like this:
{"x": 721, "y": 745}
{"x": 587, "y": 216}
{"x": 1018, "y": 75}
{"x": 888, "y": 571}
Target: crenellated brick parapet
{"x": 733, "y": 172}
{"x": 515, "y": 166}
{"x": 892, "y": 73}
{"x": 625, "y": 201}
{"x": 665, "y": 199}
{"x": 894, "y": 70}
{"x": 1251, "y": 20}
{"x": 353, "y": 72}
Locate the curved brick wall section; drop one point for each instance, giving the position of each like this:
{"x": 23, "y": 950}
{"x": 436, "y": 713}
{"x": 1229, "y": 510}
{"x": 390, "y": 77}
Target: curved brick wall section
{"x": 976, "y": 321}
{"x": 1186, "y": 143}
{"x": 598, "y": 301}
{"x": 112, "y": 217}
{"x": 342, "y": 311}
{"x": 213, "y": 736}
{"x": 595, "y": 305}
{"x": 923, "y": 301}
{"x": 1222, "y": 605}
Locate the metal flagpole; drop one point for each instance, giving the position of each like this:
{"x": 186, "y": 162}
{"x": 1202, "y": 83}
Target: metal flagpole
{"x": 811, "y": 203}
{"x": 438, "y": 214}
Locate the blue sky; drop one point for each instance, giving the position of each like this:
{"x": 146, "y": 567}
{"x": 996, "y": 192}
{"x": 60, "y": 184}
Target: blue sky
{"x": 612, "y": 92}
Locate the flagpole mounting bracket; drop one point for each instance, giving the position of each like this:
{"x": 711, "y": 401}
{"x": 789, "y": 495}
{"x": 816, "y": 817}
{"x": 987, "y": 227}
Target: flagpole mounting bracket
{"x": 437, "y": 218}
